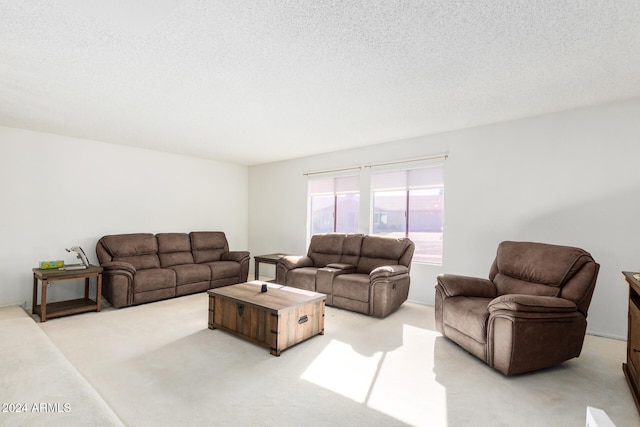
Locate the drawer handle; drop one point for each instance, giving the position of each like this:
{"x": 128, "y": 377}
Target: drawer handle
{"x": 303, "y": 319}
{"x": 635, "y": 350}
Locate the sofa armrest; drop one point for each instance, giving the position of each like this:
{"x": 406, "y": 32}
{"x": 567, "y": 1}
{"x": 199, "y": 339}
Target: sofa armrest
{"x": 292, "y": 261}
{"x": 118, "y": 267}
{"x": 237, "y": 256}
{"x": 453, "y": 285}
{"x": 532, "y": 304}
{"x": 387, "y": 271}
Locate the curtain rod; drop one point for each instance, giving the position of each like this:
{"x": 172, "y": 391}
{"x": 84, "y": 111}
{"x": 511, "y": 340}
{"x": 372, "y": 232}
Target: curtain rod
{"x": 332, "y": 170}
{"x": 420, "y": 159}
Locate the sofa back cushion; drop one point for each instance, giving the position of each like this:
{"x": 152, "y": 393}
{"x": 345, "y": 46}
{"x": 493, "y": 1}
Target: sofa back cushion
{"x": 139, "y": 249}
{"x": 377, "y": 251}
{"x": 351, "y": 249}
{"x": 174, "y": 249}
{"x": 325, "y": 248}
{"x": 542, "y": 269}
{"x": 208, "y": 246}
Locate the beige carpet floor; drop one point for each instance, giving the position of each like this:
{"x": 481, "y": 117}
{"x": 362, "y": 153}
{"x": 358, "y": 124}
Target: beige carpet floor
{"x": 38, "y": 385}
{"x": 159, "y": 365}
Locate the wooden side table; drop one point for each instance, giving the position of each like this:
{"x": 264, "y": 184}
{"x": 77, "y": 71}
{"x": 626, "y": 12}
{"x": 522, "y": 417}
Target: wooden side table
{"x": 266, "y": 259}
{"x": 631, "y": 369}
{"x": 63, "y": 308}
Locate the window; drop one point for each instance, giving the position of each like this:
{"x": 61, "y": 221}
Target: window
{"x": 334, "y": 204}
{"x": 409, "y": 203}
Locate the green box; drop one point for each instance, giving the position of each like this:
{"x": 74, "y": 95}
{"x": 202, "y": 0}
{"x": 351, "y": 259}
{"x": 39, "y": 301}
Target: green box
{"x": 50, "y": 265}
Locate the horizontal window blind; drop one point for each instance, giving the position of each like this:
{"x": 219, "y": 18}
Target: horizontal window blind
{"x": 412, "y": 179}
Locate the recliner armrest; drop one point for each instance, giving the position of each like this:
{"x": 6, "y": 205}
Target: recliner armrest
{"x": 237, "y": 256}
{"x": 454, "y": 285}
{"x": 387, "y": 271}
{"x": 532, "y": 304}
{"x": 291, "y": 261}
{"x": 113, "y": 266}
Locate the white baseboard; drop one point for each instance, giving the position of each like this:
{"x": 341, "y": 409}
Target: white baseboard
{"x": 22, "y": 304}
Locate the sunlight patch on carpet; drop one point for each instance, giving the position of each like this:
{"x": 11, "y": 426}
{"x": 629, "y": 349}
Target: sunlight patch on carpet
{"x": 381, "y": 379}
{"x": 344, "y": 371}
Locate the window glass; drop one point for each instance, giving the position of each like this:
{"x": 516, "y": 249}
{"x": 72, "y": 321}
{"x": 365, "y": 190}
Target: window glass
{"x": 409, "y": 203}
{"x": 334, "y": 204}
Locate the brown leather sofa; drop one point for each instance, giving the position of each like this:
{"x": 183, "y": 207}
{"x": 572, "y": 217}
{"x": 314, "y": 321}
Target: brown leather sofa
{"x": 143, "y": 267}
{"x": 362, "y": 273}
{"x": 530, "y": 314}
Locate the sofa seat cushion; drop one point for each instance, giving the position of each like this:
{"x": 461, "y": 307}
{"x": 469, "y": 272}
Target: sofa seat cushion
{"x": 303, "y": 278}
{"x": 467, "y": 315}
{"x": 153, "y": 279}
{"x": 352, "y": 286}
{"x": 223, "y": 269}
{"x": 191, "y": 273}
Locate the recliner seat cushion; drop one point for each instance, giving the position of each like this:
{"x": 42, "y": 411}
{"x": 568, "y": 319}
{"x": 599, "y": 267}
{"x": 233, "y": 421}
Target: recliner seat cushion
{"x": 223, "y": 269}
{"x": 303, "y": 278}
{"x": 191, "y": 273}
{"x": 153, "y": 279}
{"x": 353, "y": 286}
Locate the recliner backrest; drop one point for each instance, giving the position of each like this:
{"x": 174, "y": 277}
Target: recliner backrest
{"x": 208, "y": 246}
{"x": 547, "y": 270}
{"x": 377, "y": 251}
{"x": 325, "y": 248}
{"x": 138, "y": 249}
{"x": 174, "y": 249}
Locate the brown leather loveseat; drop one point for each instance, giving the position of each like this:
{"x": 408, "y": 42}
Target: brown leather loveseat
{"x": 144, "y": 267}
{"x": 531, "y": 313}
{"x": 362, "y": 273}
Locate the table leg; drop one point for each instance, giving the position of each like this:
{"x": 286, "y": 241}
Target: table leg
{"x": 86, "y": 288}
{"x": 257, "y": 270}
{"x": 99, "y": 292}
{"x": 43, "y": 303}
{"x": 35, "y": 295}
{"x": 212, "y": 307}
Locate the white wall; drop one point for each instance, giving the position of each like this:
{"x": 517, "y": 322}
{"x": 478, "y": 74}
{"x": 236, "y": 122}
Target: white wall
{"x": 569, "y": 178}
{"x": 58, "y": 192}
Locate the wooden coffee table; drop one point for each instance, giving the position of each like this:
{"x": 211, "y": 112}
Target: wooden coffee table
{"x": 277, "y": 319}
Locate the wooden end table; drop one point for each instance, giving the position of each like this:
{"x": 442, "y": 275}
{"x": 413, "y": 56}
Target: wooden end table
{"x": 63, "y": 308}
{"x": 266, "y": 259}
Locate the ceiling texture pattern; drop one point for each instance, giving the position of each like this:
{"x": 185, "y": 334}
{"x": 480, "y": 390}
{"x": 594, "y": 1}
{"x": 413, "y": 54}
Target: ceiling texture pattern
{"x": 253, "y": 82}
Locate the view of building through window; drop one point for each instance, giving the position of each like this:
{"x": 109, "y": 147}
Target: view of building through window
{"x": 334, "y": 204}
{"x": 409, "y": 203}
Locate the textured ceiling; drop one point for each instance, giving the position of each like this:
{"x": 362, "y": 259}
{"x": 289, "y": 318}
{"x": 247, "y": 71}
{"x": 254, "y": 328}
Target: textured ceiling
{"x": 252, "y": 82}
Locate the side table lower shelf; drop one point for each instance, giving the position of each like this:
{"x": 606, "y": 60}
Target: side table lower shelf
{"x": 64, "y": 308}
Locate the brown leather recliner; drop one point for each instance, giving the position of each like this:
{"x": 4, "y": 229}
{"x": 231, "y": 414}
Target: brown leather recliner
{"x": 530, "y": 314}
